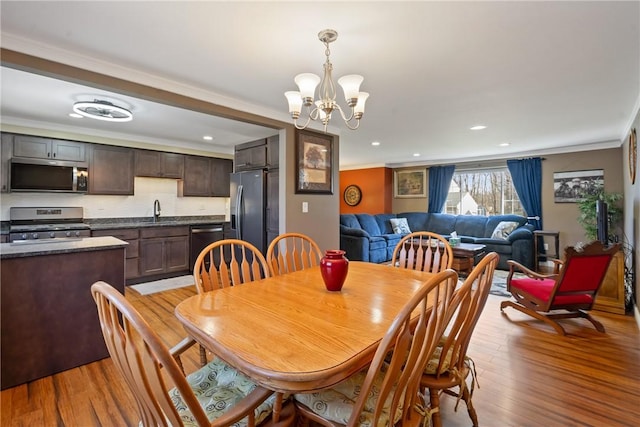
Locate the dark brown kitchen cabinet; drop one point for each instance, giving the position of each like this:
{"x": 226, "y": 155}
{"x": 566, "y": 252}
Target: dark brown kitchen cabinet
{"x": 158, "y": 164}
{"x": 273, "y": 151}
{"x": 273, "y": 208}
{"x": 251, "y": 155}
{"x": 129, "y": 235}
{"x": 6, "y": 152}
{"x": 111, "y": 170}
{"x": 164, "y": 250}
{"x": 205, "y": 177}
{"x": 47, "y": 148}
{"x": 220, "y": 177}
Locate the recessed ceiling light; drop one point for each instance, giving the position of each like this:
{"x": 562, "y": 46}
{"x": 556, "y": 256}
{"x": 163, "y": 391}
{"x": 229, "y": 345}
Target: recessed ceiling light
{"x": 75, "y": 115}
{"x": 505, "y": 144}
{"x": 208, "y": 138}
{"x": 478, "y": 127}
{"x": 375, "y": 143}
{"x": 416, "y": 154}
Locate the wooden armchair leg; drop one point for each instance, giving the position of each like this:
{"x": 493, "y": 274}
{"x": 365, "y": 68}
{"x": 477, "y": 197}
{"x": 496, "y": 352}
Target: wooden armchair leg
{"x": 599, "y": 327}
{"x": 434, "y": 397}
{"x": 559, "y": 329}
{"x": 203, "y": 356}
{"x": 466, "y": 396}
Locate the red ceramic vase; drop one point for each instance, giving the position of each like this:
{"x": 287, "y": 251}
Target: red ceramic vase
{"x": 334, "y": 267}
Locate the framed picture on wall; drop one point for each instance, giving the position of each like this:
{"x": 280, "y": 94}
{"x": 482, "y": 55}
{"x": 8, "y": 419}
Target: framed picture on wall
{"x": 573, "y": 186}
{"x": 410, "y": 183}
{"x": 314, "y": 166}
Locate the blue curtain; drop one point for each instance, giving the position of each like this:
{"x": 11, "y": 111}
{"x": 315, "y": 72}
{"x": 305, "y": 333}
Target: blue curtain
{"x": 439, "y": 183}
{"x": 527, "y": 180}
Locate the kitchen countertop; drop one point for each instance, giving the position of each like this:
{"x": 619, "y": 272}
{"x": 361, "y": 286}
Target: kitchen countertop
{"x": 137, "y": 222}
{"x": 58, "y": 246}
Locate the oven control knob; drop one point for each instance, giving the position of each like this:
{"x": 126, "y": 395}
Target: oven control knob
{"x": 77, "y": 233}
{"x": 68, "y": 234}
{"x": 52, "y": 234}
{"x": 23, "y": 236}
{"x": 35, "y": 236}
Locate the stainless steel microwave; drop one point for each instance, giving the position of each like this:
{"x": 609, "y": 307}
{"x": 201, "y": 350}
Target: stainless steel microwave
{"x": 46, "y": 176}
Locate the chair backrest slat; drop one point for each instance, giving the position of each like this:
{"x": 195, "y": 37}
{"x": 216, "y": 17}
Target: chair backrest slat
{"x": 410, "y": 340}
{"x": 226, "y": 263}
{"x": 423, "y": 250}
{"x": 291, "y": 252}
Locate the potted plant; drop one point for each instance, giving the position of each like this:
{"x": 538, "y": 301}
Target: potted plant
{"x": 588, "y": 219}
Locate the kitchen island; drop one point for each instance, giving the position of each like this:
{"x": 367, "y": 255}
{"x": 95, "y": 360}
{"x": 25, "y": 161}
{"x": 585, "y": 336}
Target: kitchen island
{"x": 49, "y": 320}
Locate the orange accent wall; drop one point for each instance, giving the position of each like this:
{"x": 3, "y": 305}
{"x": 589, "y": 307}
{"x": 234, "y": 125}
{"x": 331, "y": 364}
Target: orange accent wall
{"x": 377, "y": 190}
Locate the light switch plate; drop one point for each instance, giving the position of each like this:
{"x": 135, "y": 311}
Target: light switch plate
{"x": 305, "y": 207}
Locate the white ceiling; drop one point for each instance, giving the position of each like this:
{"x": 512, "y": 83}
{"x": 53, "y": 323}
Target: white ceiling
{"x": 542, "y": 76}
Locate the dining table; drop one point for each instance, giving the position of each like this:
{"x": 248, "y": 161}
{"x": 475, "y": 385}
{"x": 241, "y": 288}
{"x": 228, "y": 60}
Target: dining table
{"x": 290, "y": 334}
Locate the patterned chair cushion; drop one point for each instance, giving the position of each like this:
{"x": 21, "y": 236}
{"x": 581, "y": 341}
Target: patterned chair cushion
{"x": 218, "y": 387}
{"x": 336, "y": 404}
{"x": 432, "y": 364}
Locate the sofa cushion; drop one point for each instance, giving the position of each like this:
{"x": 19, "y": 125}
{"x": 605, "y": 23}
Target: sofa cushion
{"x": 369, "y": 224}
{"x": 383, "y": 222}
{"x": 417, "y": 220}
{"x": 444, "y": 224}
{"x": 493, "y": 221}
{"x": 471, "y": 225}
{"x": 400, "y": 225}
{"x": 349, "y": 220}
{"x": 503, "y": 229}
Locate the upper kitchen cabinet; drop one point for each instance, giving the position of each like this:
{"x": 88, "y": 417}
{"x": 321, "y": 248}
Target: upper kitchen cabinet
{"x": 46, "y": 148}
{"x": 6, "y": 150}
{"x": 221, "y": 177}
{"x": 197, "y": 177}
{"x": 273, "y": 152}
{"x": 205, "y": 177}
{"x": 111, "y": 170}
{"x": 157, "y": 164}
{"x": 251, "y": 155}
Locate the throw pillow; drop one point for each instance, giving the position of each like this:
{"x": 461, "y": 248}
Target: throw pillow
{"x": 400, "y": 225}
{"x": 503, "y": 230}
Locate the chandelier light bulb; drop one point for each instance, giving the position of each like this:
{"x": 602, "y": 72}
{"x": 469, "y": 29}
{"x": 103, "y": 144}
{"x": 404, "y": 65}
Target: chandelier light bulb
{"x": 295, "y": 103}
{"x": 351, "y": 86}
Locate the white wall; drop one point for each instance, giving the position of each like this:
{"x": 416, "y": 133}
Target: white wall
{"x": 139, "y": 205}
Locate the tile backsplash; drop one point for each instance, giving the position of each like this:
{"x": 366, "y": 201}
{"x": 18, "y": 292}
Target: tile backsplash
{"x": 139, "y": 205}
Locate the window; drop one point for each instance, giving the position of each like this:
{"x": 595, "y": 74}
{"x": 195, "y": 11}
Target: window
{"x": 483, "y": 192}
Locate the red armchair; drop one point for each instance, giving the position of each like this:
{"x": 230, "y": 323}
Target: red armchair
{"x": 569, "y": 292}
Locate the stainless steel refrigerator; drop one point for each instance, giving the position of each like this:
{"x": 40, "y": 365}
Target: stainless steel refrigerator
{"x": 247, "y": 207}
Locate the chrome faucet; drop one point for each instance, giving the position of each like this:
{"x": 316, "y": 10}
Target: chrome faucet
{"x": 156, "y": 210}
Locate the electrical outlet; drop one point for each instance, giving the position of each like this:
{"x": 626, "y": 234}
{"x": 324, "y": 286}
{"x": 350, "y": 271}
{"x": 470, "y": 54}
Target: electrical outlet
{"x": 546, "y": 246}
{"x": 305, "y": 207}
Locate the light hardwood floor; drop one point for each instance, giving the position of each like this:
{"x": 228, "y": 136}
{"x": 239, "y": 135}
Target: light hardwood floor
{"x": 528, "y": 375}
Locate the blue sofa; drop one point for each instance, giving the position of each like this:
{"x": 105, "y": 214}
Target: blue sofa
{"x": 367, "y": 237}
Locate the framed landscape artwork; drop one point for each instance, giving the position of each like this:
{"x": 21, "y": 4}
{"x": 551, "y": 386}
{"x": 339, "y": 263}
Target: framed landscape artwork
{"x": 314, "y": 169}
{"x": 573, "y": 186}
{"x": 410, "y": 183}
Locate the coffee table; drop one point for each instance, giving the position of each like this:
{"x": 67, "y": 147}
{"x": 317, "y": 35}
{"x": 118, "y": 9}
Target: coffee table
{"x": 464, "y": 255}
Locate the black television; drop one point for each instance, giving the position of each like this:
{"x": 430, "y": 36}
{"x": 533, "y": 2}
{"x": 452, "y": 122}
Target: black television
{"x": 602, "y": 222}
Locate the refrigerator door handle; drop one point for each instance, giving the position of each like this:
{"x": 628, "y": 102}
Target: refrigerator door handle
{"x": 239, "y": 213}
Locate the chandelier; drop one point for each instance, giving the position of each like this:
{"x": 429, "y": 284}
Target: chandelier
{"x": 322, "y": 108}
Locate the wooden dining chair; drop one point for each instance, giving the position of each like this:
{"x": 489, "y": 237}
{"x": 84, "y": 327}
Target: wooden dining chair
{"x": 214, "y": 395}
{"x": 449, "y": 366}
{"x": 569, "y": 292}
{"x": 291, "y": 252}
{"x": 423, "y": 250}
{"x": 387, "y": 392}
{"x": 224, "y": 263}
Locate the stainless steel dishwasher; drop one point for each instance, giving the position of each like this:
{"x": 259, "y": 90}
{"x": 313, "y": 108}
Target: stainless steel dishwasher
{"x": 201, "y": 236}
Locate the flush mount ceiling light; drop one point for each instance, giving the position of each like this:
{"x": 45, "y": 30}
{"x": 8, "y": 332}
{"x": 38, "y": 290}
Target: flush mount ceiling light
{"x": 102, "y": 110}
{"x": 307, "y": 83}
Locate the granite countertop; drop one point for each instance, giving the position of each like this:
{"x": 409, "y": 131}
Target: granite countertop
{"x": 58, "y": 246}
{"x": 137, "y": 222}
